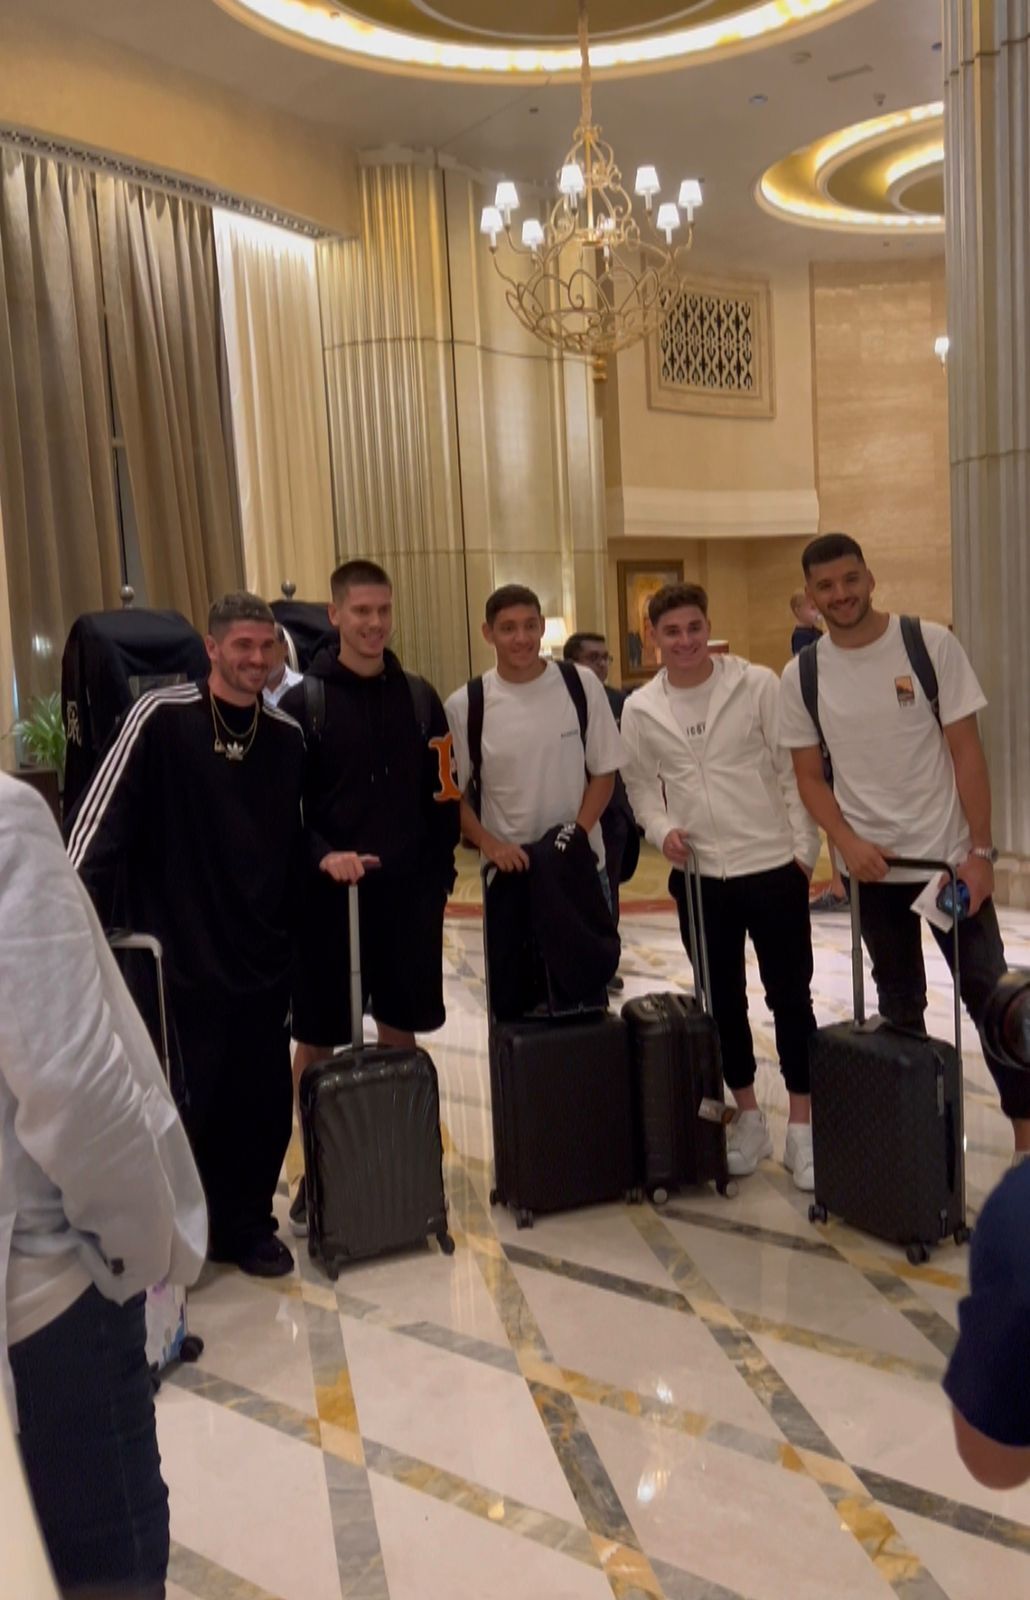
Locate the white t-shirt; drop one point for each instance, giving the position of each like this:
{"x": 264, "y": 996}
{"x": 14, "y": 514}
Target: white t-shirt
{"x": 286, "y": 682}
{"x": 533, "y": 759}
{"x": 690, "y": 707}
{"x": 893, "y": 775}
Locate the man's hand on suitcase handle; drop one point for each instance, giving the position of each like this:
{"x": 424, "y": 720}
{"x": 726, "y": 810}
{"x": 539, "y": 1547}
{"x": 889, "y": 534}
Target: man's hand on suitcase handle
{"x": 865, "y": 862}
{"x": 505, "y": 857}
{"x": 346, "y": 866}
{"x": 675, "y": 847}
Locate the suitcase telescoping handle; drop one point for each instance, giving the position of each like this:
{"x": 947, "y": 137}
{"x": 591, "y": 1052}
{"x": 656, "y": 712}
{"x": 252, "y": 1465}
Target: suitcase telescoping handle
{"x": 147, "y": 942}
{"x": 696, "y": 930}
{"x": 357, "y": 1007}
{"x": 858, "y": 975}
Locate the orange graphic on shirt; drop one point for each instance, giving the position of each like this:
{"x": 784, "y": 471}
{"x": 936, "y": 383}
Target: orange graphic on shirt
{"x": 448, "y": 790}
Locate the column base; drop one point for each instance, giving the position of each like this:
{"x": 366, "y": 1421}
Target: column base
{"x": 1012, "y": 882}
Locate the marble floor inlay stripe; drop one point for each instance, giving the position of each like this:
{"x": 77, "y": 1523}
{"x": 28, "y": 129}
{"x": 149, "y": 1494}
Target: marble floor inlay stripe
{"x": 207, "y": 1580}
{"x": 829, "y": 1345}
{"x": 749, "y": 1230}
{"x": 246, "y": 1402}
{"x": 615, "y": 1283}
{"x": 949, "y": 1513}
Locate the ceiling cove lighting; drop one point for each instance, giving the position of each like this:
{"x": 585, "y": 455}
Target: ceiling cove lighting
{"x": 341, "y": 33}
{"x": 595, "y": 275}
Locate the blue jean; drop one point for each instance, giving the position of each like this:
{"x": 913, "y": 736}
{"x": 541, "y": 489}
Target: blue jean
{"x": 88, "y": 1439}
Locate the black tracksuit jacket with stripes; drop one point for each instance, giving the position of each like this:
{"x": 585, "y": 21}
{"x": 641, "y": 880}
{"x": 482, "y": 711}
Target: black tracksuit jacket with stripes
{"x": 199, "y": 850}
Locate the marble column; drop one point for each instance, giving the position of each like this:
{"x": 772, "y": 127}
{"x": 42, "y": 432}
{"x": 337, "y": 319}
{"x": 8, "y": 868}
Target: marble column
{"x": 987, "y": 166}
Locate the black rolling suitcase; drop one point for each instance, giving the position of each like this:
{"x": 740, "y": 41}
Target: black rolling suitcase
{"x": 562, "y": 1108}
{"x": 678, "y": 1087}
{"x": 373, "y": 1156}
{"x": 887, "y": 1120}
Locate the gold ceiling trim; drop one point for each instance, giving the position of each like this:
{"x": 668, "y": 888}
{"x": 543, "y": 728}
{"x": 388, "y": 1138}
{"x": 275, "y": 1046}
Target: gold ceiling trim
{"x": 340, "y": 34}
{"x": 854, "y": 180}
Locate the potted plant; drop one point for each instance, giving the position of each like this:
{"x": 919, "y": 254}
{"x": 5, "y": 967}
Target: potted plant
{"x": 40, "y": 742}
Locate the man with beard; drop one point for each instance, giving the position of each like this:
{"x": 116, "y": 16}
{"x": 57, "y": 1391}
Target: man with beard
{"x": 896, "y": 704}
{"x": 197, "y": 805}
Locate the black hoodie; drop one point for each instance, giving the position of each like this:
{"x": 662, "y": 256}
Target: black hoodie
{"x": 371, "y": 783}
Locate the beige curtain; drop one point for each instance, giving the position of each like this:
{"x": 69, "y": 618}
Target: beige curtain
{"x": 7, "y": 750}
{"x": 56, "y": 470}
{"x": 268, "y": 285}
{"x": 162, "y": 308}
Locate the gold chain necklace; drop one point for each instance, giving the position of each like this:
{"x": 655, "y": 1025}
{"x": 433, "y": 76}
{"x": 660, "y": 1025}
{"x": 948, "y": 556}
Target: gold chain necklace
{"x": 227, "y": 743}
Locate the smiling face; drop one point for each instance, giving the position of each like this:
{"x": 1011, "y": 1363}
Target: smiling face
{"x": 682, "y": 637}
{"x": 842, "y": 591}
{"x": 516, "y": 634}
{"x": 363, "y": 615}
{"x": 241, "y": 657}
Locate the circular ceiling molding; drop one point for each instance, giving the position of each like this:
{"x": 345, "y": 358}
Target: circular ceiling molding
{"x": 537, "y": 38}
{"x": 884, "y": 175}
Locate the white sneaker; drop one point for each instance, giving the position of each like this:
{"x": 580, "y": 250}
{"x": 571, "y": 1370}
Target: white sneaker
{"x": 747, "y": 1143}
{"x": 797, "y": 1155}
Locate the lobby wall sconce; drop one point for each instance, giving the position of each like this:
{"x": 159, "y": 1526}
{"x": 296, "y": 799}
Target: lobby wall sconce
{"x": 941, "y": 346}
{"x": 555, "y": 635}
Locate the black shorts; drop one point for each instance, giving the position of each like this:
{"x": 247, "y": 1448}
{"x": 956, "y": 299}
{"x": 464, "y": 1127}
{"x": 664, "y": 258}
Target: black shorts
{"x": 401, "y": 957}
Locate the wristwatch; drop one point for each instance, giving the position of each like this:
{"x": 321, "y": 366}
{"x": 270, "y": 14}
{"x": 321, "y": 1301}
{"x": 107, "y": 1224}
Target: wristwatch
{"x": 986, "y": 852}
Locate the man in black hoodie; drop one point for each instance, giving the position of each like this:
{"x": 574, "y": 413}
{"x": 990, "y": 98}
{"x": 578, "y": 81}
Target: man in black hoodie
{"x": 381, "y": 808}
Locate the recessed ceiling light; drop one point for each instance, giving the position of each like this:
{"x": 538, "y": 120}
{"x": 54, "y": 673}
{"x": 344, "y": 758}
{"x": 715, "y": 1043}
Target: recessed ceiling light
{"x": 799, "y": 57}
{"x": 758, "y": 100}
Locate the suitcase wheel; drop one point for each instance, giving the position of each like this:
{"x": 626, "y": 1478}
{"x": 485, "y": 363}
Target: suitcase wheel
{"x": 523, "y": 1218}
{"x": 817, "y": 1213}
{"x": 332, "y": 1271}
{"x": 963, "y": 1234}
{"x": 917, "y": 1254}
{"x": 446, "y": 1243}
{"x": 659, "y": 1196}
{"x": 494, "y": 1196}
{"x": 730, "y": 1188}
{"x": 192, "y": 1348}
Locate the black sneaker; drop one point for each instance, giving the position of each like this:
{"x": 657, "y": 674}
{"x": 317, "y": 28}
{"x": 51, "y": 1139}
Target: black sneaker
{"x": 267, "y": 1258}
{"x": 299, "y": 1211}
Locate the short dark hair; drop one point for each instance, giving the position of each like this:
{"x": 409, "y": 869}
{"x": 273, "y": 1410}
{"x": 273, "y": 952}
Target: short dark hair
{"x": 508, "y": 595}
{"x": 829, "y": 547}
{"x": 673, "y": 596}
{"x": 239, "y": 606}
{"x": 351, "y": 573}
{"x": 573, "y": 646}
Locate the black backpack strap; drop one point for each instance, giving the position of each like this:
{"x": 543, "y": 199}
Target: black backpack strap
{"x": 422, "y": 700}
{"x": 808, "y": 673}
{"x": 577, "y": 694}
{"x": 919, "y": 661}
{"x": 477, "y": 706}
{"x": 314, "y": 707}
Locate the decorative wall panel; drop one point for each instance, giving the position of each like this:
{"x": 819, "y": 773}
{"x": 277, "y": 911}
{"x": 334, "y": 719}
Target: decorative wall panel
{"x": 712, "y": 354}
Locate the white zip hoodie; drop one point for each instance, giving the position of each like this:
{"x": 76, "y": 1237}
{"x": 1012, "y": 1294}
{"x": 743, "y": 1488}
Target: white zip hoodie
{"x": 733, "y": 793}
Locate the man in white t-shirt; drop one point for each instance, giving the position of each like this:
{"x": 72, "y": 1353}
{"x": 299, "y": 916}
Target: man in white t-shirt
{"x": 706, "y": 770}
{"x": 908, "y": 780}
{"x": 538, "y": 769}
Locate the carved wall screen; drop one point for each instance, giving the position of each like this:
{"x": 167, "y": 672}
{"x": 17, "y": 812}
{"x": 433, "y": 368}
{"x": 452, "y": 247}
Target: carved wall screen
{"x": 712, "y": 355}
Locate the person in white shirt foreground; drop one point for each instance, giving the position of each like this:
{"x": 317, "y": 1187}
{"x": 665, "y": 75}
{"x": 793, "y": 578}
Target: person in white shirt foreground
{"x": 705, "y": 769}
{"x": 909, "y": 779}
{"x": 99, "y": 1198}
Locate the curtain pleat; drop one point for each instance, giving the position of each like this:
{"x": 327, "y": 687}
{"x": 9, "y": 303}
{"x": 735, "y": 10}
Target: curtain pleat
{"x": 57, "y": 495}
{"x": 270, "y": 312}
{"x": 162, "y": 302}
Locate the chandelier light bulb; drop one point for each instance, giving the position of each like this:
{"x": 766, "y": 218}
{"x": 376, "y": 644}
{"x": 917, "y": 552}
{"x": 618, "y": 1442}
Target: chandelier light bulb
{"x": 491, "y": 222}
{"x": 647, "y": 184}
{"x": 690, "y": 197}
{"x": 506, "y": 200}
{"x": 532, "y": 234}
{"x": 668, "y": 220}
{"x": 572, "y": 182}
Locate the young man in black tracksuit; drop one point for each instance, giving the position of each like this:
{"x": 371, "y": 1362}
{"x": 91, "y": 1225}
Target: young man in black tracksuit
{"x": 194, "y": 816}
{"x": 381, "y": 808}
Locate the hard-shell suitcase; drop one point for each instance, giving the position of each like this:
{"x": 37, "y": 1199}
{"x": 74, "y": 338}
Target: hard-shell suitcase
{"x": 373, "y": 1155}
{"x": 168, "y": 1335}
{"x": 677, "y": 1076}
{"x": 887, "y": 1119}
{"x": 562, "y": 1109}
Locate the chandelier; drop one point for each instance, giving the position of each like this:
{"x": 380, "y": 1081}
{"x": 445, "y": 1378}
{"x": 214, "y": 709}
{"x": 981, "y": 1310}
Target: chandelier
{"x": 590, "y": 280}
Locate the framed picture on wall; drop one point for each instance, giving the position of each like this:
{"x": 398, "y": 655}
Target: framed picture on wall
{"x": 638, "y": 581}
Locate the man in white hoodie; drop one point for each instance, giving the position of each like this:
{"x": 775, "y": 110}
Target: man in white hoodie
{"x": 706, "y": 770}
{"x": 99, "y": 1197}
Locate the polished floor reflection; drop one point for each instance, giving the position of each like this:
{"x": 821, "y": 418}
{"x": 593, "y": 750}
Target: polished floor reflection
{"x": 711, "y": 1401}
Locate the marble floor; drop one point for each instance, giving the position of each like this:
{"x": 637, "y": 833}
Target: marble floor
{"x": 711, "y": 1401}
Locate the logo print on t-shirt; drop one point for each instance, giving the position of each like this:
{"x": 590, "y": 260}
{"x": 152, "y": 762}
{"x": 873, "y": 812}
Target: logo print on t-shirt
{"x": 905, "y": 691}
{"x": 448, "y": 785}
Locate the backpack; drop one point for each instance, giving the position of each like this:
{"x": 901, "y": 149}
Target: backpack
{"x": 477, "y": 707}
{"x": 314, "y": 706}
{"x": 918, "y": 660}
